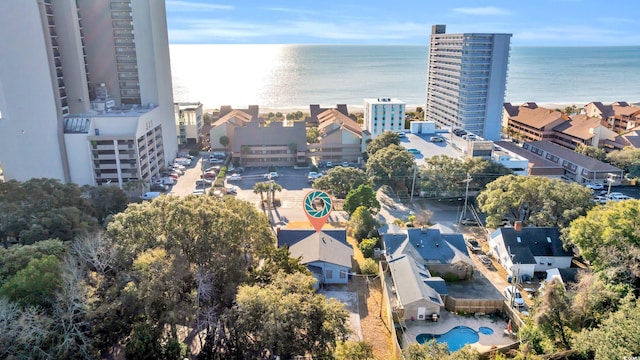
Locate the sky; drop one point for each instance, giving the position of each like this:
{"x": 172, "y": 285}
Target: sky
{"x": 532, "y": 22}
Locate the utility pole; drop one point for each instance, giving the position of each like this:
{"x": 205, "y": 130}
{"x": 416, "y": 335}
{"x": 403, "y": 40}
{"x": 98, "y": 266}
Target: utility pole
{"x": 466, "y": 196}
{"x": 413, "y": 183}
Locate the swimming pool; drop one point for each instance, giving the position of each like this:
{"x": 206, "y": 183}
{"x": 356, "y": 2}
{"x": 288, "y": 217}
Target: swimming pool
{"x": 455, "y": 338}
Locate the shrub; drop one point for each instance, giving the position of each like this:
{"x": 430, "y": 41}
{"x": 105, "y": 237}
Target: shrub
{"x": 218, "y": 183}
{"x": 369, "y": 267}
{"x": 367, "y": 246}
{"x": 313, "y": 168}
{"x": 451, "y": 277}
{"x": 194, "y": 152}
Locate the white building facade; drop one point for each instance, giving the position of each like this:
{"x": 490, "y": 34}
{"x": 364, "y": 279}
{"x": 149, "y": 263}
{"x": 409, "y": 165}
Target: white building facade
{"x": 85, "y": 90}
{"x": 383, "y": 114}
{"x": 188, "y": 122}
{"x": 467, "y": 81}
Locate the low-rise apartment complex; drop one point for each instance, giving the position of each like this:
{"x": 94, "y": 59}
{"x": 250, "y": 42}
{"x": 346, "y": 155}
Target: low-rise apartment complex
{"x": 188, "y": 122}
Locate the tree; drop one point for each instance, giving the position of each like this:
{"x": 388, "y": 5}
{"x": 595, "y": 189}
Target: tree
{"x": 363, "y": 195}
{"x": 354, "y": 350}
{"x": 617, "y": 338}
{"x": 594, "y": 152}
{"x": 24, "y": 331}
{"x": 17, "y": 257}
{"x": 534, "y": 200}
{"x": 35, "y": 284}
{"x": 628, "y": 159}
{"x": 224, "y": 141}
{"x": 382, "y": 141}
{"x": 392, "y": 163}
{"x": 369, "y": 267}
{"x": 367, "y": 246}
{"x": 261, "y": 188}
{"x": 340, "y": 180}
{"x": 591, "y": 300}
{"x": 608, "y": 238}
{"x": 552, "y": 313}
{"x": 106, "y": 201}
{"x": 313, "y": 135}
{"x": 286, "y": 318}
{"x": 433, "y": 350}
{"x": 362, "y": 224}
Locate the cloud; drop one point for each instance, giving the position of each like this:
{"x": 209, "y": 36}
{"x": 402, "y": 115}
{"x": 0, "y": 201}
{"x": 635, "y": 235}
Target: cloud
{"x": 291, "y": 10}
{"x": 180, "y": 5}
{"x": 487, "y": 10}
{"x": 225, "y": 31}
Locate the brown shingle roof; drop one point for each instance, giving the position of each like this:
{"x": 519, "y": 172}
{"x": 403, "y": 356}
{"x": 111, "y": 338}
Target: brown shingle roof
{"x": 236, "y": 117}
{"x": 580, "y": 126}
{"x": 625, "y": 110}
{"x": 334, "y": 117}
{"x": 536, "y": 117}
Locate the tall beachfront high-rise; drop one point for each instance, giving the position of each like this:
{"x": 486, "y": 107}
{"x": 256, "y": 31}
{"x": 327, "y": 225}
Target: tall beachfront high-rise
{"x": 85, "y": 90}
{"x": 467, "y": 80}
{"x": 383, "y": 114}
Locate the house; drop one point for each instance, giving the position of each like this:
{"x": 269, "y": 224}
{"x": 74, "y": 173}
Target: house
{"x": 565, "y": 276}
{"x": 527, "y": 250}
{"x": 577, "y": 167}
{"x": 416, "y": 257}
{"x": 315, "y": 110}
{"x": 326, "y": 253}
{"x": 582, "y": 130}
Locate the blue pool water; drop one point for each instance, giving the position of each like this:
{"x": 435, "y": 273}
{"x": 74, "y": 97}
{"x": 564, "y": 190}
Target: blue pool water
{"x": 485, "y": 330}
{"x": 455, "y": 338}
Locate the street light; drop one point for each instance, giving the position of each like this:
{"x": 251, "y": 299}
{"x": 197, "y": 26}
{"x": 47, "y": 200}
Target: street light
{"x": 610, "y": 179}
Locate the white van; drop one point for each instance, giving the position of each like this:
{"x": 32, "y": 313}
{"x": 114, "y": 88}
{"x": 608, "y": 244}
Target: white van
{"x": 150, "y": 195}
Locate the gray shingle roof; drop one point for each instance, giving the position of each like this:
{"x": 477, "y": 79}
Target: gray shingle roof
{"x": 534, "y": 241}
{"x": 289, "y": 237}
{"x": 410, "y": 285}
{"x": 322, "y": 247}
{"x": 584, "y": 161}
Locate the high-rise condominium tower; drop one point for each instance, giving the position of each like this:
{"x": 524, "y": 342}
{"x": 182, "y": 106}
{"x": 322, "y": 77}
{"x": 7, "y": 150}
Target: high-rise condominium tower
{"x": 85, "y": 90}
{"x": 467, "y": 81}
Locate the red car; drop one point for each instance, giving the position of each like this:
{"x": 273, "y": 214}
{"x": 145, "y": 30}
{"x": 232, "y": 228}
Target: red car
{"x": 208, "y": 175}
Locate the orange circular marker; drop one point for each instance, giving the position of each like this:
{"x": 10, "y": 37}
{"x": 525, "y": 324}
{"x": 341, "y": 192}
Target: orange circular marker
{"x": 317, "y": 217}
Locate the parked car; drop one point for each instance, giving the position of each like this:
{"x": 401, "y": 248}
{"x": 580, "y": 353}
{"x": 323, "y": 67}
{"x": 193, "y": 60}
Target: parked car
{"x": 329, "y": 164}
{"x": 413, "y": 151}
{"x": 237, "y": 170}
{"x": 234, "y": 177}
{"x": 473, "y": 245}
{"x": 215, "y": 161}
{"x": 484, "y": 259}
{"x": 469, "y": 137}
{"x": 459, "y": 132}
{"x": 401, "y": 134}
{"x": 185, "y": 155}
{"x": 513, "y": 295}
{"x": 209, "y": 175}
{"x": 150, "y": 195}
{"x": 595, "y": 186}
{"x": 164, "y": 181}
{"x": 213, "y": 168}
{"x": 468, "y": 222}
{"x": 618, "y": 197}
{"x": 436, "y": 139}
{"x": 231, "y": 190}
{"x": 271, "y": 175}
{"x": 159, "y": 187}
{"x": 600, "y": 199}
{"x": 178, "y": 166}
{"x": 345, "y": 163}
{"x": 200, "y": 182}
{"x": 199, "y": 191}
{"x": 182, "y": 161}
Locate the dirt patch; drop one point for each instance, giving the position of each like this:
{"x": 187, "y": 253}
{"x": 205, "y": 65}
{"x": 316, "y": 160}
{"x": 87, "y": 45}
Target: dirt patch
{"x": 374, "y": 330}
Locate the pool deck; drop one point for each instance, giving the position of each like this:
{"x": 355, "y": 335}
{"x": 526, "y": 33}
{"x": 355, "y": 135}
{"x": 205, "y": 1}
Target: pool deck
{"x": 450, "y": 320}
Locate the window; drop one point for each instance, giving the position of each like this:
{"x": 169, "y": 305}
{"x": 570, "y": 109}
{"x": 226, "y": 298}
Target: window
{"x": 343, "y": 274}
{"x": 329, "y": 274}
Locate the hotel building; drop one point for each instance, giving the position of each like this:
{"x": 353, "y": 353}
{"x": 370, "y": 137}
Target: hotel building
{"x": 467, "y": 80}
{"x": 85, "y": 90}
{"x": 383, "y": 114}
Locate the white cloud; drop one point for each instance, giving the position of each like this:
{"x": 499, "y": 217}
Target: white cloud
{"x": 487, "y": 10}
{"x": 180, "y": 5}
{"x": 207, "y": 31}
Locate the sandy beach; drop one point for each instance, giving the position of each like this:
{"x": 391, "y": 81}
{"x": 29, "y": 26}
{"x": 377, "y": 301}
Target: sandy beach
{"x": 353, "y": 109}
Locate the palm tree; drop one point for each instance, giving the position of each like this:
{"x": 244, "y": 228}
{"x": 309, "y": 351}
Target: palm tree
{"x": 273, "y": 187}
{"x": 261, "y": 188}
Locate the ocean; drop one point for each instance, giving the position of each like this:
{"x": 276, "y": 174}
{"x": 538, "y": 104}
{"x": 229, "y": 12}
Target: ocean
{"x": 294, "y": 76}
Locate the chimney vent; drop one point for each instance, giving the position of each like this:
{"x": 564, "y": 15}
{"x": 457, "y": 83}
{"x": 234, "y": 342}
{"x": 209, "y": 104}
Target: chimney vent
{"x": 517, "y": 226}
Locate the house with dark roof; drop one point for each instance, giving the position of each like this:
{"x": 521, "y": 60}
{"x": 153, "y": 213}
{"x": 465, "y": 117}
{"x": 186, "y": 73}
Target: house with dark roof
{"x": 341, "y": 139}
{"x": 565, "y": 276}
{"x": 315, "y": 110}
{"x": 582, "y": 130}
{"x": 416, "y": 259}
{"x": 620, "y": 115}
{"x": 577, "y": 167}
{"x": 536, "y": 166}
{"x": 527, "y": 250}
{"x": 326, "y": 253}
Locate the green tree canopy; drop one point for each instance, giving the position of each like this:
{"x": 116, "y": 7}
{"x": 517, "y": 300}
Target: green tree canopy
{"x": 392, "y": 163}
{"x": 382, "y": 141}
{"x": 285, "y": 318}
{"x": 363, "y": 195}
{"x": 224, "y": 141}
{"x": 362, "y": 224}
{"x": 354, "y": 350}
{"x": 313, "y": 135}
{"x": 534, "y": 200}
{"x": 609, "y": 238}
{"x": 340, "y": 180}
{"x": 17, "y": 257}
{"x": 34, "y": 285}
{"x": 594, "y": 152}
{"x": 628, "y": 159}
